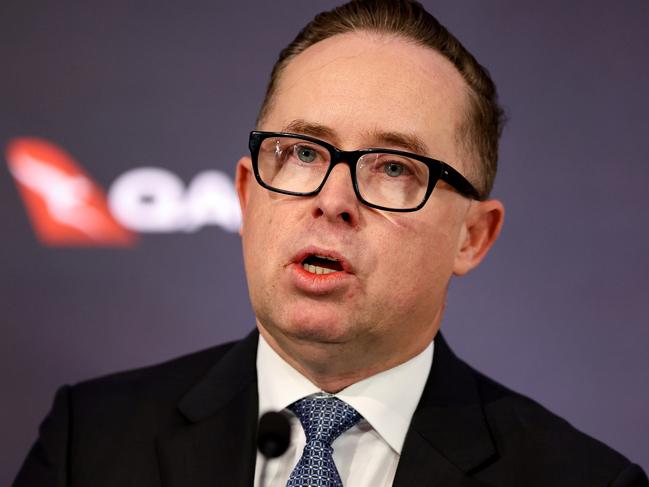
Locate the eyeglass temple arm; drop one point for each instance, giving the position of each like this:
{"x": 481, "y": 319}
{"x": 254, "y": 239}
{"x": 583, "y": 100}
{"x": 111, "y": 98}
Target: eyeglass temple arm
{"x": 459, "y": 182}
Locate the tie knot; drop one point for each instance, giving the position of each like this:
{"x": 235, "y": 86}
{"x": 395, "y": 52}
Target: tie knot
{"x": 324, "y": 418}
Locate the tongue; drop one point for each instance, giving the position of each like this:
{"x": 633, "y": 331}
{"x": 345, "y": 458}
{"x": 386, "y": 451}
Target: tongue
{"x": 326, "y": 263}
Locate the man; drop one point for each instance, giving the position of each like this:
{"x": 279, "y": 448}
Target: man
{"x": 352, "y": 229}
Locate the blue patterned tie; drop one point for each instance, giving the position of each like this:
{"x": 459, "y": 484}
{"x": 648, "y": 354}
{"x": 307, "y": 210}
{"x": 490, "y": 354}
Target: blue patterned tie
{"x": 324, "y": 418}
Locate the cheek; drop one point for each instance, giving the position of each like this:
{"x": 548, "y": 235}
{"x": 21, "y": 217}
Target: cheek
{"x": 267, "y": 235}
{"x": 416, "y": 269}
{"x": 260, "y": 243}
{"x": 258, "y": 238}
{"x": 259, "y": 224}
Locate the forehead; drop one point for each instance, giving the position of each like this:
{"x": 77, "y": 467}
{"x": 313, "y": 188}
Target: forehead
{"x": 364, "y": 83}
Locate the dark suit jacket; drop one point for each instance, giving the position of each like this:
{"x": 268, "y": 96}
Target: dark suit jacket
{"x": 192, "y": 422}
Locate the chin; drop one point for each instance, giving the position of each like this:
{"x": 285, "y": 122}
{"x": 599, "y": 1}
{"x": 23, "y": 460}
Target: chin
{"x": 317, "y": 326}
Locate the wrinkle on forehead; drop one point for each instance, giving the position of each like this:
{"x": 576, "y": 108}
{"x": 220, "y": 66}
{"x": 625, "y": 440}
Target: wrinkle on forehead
{"x": 373, "y": 138}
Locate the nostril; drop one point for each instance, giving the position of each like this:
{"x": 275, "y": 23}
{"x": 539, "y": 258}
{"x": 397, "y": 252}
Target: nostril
{"x": 346, "y": 216}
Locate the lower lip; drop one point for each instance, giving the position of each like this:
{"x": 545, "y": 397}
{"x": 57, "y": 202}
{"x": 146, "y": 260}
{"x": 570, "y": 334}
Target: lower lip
{"x": 318, "y": 283}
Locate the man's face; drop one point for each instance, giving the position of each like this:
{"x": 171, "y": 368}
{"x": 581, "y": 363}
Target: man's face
{"x": 358, "y": 90}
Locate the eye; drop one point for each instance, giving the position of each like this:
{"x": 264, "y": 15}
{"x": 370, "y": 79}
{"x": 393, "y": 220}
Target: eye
{"x": 393, "y": 169}
{"x": 305, "y": 153}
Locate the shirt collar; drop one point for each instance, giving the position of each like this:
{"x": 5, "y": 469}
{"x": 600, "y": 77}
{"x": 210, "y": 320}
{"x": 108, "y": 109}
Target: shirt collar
{"x": 386, "y": 400}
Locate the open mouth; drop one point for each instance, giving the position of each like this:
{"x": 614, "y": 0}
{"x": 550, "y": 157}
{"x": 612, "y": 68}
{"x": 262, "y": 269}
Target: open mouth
{"x": 319, "y": 264}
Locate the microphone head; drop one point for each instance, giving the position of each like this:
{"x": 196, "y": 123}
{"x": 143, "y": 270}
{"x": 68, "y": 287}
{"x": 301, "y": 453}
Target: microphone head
{"x": 274, "y": 434}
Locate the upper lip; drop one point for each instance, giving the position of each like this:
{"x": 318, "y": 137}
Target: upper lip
{"x": 331, "y": 254}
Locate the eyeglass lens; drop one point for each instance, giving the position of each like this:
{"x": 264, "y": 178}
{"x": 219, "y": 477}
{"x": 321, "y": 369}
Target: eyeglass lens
{"x": 383, "y": 179}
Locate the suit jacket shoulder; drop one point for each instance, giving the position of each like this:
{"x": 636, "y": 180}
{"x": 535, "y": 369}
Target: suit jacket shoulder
{"x": 156, "y": 385}
{"x": 117, "y": 429}
{"x": 538, "y": 440}
{"x": 471, "y": 430}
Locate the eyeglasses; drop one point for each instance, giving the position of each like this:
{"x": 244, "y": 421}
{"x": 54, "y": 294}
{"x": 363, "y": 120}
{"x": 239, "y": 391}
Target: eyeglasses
{"x": 385, "y": 179}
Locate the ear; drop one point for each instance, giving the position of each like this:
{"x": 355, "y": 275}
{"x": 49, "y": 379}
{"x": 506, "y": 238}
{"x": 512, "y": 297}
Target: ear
{"x": 481, "y": 228}
{"x": 243, "y": 181}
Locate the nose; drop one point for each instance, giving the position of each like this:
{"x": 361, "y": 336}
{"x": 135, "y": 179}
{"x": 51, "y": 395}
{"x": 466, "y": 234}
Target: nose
{"x": 336, "y": 201}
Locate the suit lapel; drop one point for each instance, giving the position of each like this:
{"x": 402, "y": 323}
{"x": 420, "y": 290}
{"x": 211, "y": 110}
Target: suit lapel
{"x": 217, "y": 446}
{"x": 448, "y": 437}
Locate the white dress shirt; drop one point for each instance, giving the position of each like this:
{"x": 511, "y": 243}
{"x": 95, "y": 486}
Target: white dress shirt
{"x": 367, "y": 454}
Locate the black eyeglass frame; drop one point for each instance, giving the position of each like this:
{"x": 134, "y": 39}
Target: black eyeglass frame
{"x": 436, "y": 169}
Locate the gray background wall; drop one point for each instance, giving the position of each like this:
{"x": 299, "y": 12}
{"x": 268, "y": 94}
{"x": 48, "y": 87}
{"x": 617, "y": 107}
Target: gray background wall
{"x": 559, "y": 310}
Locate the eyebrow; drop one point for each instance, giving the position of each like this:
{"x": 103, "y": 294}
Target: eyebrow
{"x": 407, "y": 142}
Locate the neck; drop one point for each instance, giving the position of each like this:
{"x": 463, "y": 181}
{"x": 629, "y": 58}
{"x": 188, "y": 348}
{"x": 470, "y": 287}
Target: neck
{"x": 333, "y": 367}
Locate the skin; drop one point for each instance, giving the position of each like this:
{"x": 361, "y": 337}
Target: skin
{"x": 350, "y": 90}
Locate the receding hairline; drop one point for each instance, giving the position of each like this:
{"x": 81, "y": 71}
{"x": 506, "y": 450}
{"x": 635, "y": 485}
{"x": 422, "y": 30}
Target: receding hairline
{"x": 372, "y": 32}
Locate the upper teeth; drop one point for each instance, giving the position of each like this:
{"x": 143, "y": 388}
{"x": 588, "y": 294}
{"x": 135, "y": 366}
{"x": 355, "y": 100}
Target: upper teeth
{"x": 326, "y": 258}
{"x": 316, "y": 269}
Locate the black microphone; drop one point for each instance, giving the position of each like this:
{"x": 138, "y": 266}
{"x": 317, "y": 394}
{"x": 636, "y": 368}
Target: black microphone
{"x": 273, "y": 438}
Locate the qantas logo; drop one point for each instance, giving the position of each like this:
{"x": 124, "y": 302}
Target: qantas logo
{"x": 67, "y": 208}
